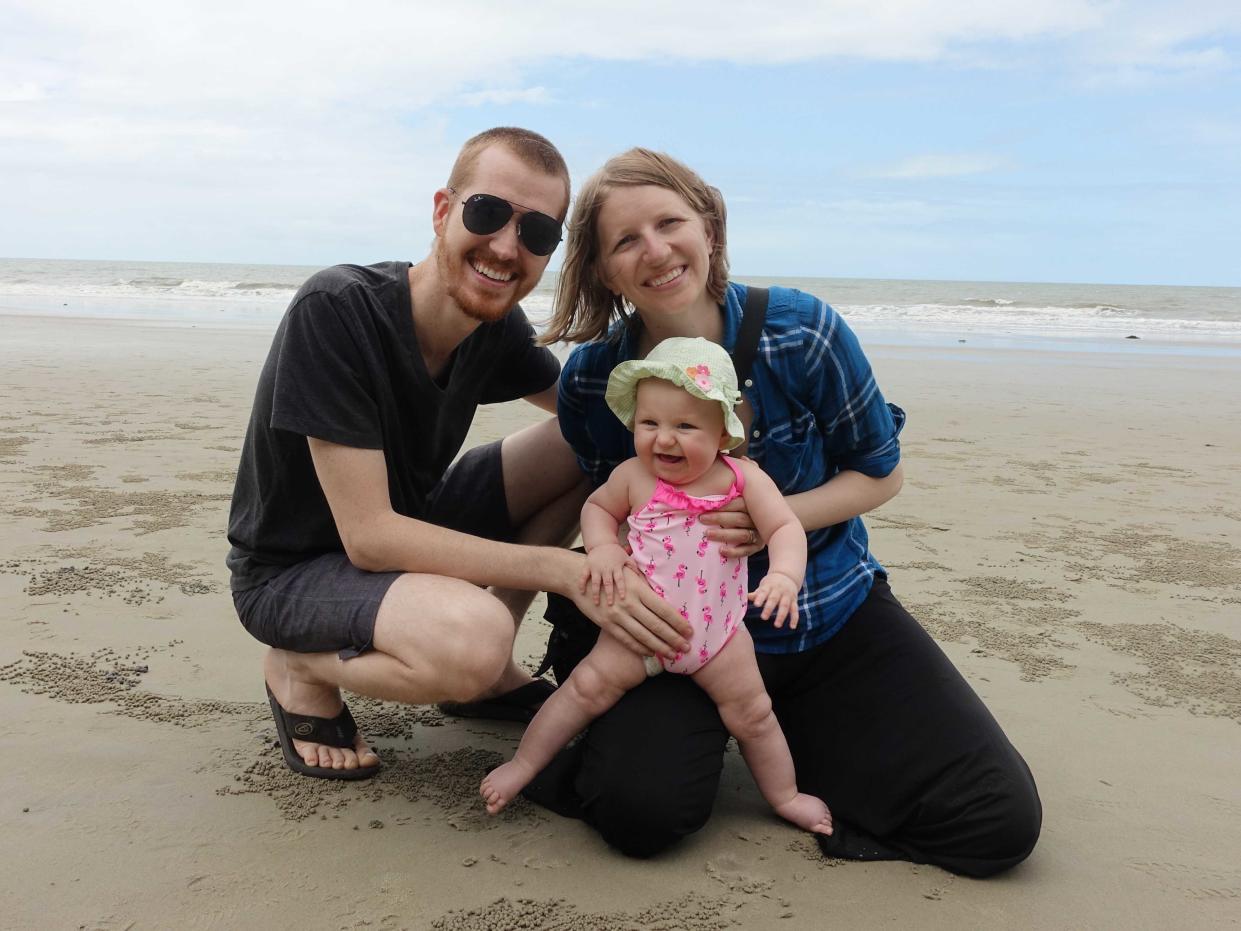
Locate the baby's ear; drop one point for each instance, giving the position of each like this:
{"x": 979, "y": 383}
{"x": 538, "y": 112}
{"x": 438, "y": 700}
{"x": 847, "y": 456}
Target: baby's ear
{"x": 725, "y": 439}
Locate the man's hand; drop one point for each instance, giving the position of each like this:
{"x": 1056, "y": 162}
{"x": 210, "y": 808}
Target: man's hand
{"x": 777, "y": 592}
{"x": 605, "y": 569}
{"x": 639, "y": 619}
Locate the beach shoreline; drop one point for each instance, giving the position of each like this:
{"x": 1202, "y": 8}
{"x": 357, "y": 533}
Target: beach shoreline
{"x": 1068, "y": 532}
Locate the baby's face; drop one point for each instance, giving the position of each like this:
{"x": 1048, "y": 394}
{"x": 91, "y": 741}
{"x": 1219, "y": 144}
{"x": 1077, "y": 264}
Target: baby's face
{"x": 676, "y": 435}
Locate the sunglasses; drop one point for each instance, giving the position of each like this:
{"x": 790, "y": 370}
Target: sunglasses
{"x": 484, "y": 214}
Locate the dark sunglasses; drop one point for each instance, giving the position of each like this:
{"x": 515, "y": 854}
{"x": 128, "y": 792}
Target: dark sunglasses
{"x": 484, "y": 214}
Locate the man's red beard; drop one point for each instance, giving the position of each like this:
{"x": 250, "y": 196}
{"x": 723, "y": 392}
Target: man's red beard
{"x": 456, "y": 272}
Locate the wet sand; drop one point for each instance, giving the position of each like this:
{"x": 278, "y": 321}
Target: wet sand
{"x": 1069, "y": 531}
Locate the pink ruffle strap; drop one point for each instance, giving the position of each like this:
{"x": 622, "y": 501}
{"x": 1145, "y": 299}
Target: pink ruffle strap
{"x": 674, "y": 497}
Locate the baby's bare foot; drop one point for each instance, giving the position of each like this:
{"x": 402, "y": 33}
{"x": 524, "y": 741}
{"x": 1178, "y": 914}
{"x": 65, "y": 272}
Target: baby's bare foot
{"x": 807, "y": 812}
{"x": 501, "y": 785}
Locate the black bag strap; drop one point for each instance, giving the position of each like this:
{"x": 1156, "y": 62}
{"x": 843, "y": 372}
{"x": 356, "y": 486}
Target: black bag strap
{"x": 752, "y": 317}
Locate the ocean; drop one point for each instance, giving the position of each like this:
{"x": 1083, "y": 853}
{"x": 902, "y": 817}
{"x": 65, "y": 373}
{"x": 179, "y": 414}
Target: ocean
{"x": 988, "y": 314}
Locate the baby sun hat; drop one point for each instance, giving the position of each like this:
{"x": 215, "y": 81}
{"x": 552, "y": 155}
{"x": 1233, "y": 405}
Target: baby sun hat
{"x": 698, "y": 365}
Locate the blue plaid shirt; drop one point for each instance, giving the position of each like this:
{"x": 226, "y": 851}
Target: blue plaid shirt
{"x": 817, "y": 410}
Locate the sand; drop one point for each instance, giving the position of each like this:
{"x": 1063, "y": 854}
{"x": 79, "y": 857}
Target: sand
{"x": 1068, "y": 531}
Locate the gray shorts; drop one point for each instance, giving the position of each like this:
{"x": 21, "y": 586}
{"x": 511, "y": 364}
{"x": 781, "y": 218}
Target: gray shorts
{"x": 327, "y": 604}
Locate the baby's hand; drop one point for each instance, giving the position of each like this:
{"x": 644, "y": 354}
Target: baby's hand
{"x": 777, "y": 592}
{"x": 605, "y": 570}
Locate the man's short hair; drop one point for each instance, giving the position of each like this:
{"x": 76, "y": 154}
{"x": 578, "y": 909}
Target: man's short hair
{"x": 531, "y": 149}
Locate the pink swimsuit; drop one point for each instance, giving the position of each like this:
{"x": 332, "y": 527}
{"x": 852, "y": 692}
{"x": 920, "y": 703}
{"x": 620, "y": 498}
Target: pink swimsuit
{"x": 686, "y": 568}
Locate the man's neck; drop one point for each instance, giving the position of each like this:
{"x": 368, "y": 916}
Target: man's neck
{"x": 439, "y": 323}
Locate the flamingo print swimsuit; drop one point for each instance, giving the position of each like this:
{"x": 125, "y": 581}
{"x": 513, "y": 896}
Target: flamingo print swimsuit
{"x": 685, "y": 568}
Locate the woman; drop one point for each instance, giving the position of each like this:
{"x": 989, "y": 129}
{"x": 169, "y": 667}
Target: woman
{"x": 880, "y": 724}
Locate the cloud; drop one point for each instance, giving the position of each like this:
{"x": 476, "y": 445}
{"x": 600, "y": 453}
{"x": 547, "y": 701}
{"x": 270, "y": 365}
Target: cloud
{"x": 298, "y": 60}
{"x": 299, "y": 111}
{"x": 941, "y": 165}
{"x": 531, "y": 95}
{"x": 19, "y": 93}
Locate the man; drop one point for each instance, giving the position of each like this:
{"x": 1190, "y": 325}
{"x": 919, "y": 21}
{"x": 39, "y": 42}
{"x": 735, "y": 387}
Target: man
{"x": 359, "y": 551}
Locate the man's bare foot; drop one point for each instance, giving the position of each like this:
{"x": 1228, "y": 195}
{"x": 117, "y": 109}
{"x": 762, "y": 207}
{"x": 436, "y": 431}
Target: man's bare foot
{"x": 288, "y": 680}
{"x": 807, "y": 812}
{"x": 501, "y": 785}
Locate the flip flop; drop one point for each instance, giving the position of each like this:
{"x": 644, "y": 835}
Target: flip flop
{"x": 521, "y": 704}
{"x": 335, "y": 732}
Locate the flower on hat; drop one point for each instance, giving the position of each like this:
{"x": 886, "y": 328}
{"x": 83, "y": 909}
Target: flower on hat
{"x": 700, "y": 373}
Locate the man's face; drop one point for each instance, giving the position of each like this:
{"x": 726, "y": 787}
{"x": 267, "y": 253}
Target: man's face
{"x": 487, "y": 275}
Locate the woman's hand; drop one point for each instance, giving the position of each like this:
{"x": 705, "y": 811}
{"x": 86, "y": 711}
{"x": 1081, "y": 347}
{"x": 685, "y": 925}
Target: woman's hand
{"x": 641, "y": 620}
{"x": 732, "y": 527}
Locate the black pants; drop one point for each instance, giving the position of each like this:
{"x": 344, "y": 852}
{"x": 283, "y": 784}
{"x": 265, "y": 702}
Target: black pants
{"x": 880, "y": 724}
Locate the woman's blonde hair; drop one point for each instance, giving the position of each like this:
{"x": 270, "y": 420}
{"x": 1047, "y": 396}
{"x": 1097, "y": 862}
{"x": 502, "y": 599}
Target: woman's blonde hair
{"x": 584, "y": 307}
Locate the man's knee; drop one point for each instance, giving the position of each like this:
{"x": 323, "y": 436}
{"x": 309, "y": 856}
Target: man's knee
{"x": 484, "y": 648}
{"x": 457, "y": 641}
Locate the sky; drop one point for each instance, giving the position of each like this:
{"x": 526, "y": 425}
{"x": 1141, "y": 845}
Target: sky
{"x": 1062, "y": 140}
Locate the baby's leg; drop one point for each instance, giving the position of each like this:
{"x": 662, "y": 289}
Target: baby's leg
{"x": 733, "y": 681}
{"x": 608, "y": 672}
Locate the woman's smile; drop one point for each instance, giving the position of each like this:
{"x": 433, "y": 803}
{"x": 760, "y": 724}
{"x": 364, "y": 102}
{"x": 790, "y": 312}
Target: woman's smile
{"x": 666, "y": 278}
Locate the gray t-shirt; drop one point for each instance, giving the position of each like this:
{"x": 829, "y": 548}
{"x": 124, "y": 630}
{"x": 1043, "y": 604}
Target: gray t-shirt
{"x": 345, "y": 367}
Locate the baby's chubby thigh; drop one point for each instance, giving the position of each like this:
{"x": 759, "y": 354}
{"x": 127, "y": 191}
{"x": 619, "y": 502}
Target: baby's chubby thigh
{"x": 608, "y": 671}
{"x": 734, "y": 683}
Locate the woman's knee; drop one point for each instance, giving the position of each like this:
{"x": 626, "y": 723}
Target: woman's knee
{"x": 647, "y": 808}
{"x": 1004, "y": 834}
{"x": 641, "y": 822}
{"x": 1018, "y": 823}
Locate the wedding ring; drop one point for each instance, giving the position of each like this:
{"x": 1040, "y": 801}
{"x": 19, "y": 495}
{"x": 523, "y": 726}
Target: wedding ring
{"x": 753, "y": 536}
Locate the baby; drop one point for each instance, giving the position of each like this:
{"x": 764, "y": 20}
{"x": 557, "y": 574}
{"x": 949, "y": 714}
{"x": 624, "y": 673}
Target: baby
{"x": 679, "y": 403}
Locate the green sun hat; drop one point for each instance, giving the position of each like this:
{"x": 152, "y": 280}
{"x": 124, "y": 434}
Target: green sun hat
{"x": 698, "y": 365}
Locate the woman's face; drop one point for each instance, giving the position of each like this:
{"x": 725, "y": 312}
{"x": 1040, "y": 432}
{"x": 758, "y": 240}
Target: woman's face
{"x": 654, "y": 250}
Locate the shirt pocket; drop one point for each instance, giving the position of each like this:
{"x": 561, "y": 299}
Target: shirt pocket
{"x": 794, "y": 464}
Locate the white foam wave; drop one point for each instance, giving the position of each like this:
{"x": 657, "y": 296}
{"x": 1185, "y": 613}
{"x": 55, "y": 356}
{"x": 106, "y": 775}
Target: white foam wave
{"x": 1093, "y": 320}
{"x": 155, "y": 288}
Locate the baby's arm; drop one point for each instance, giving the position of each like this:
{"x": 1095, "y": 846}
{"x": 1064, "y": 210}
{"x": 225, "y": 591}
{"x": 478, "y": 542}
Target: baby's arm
{"x": 786, "y": 545}
{"x": 602, "y": 514}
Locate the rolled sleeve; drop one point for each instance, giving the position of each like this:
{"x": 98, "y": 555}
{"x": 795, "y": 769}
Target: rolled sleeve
{"x": 579, "y": 391}
{"x": 860, "y": 429}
